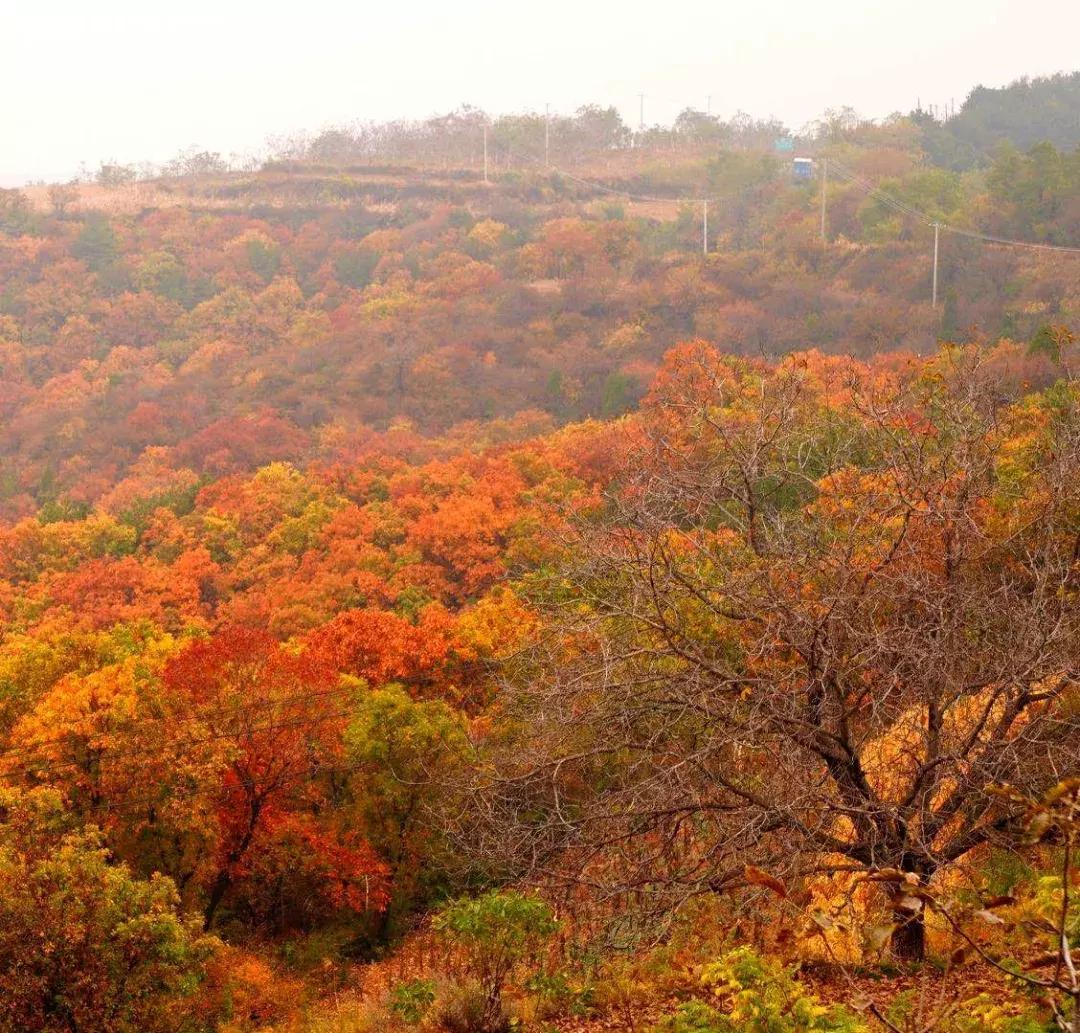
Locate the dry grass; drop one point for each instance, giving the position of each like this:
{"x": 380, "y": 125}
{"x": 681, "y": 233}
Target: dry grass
{"x": 281, "y": 187}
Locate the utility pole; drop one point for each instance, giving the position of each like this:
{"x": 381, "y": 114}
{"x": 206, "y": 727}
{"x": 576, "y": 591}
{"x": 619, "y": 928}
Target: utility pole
{"x": 824, "y": 184}
{"x": 485, "y": 154}
{"x": 547, "y": 134}
{"x": 708, "y": 106}
{"x": 937, "y": 229}
{"x": 704, "y": 227}
{"x": 641, "y": 113}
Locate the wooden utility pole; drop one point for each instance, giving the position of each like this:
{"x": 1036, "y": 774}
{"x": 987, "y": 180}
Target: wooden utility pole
{"x": 824, "y": 186}
{"x": 704, "y": 227}
{"x": 547, "y": 134}
{"x": 933, "y": 296}
{"x": 641, "y": 113}
{"x": 485, "y": 154}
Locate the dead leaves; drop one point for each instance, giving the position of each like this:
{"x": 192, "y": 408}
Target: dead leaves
{"x": 758, "y": 877}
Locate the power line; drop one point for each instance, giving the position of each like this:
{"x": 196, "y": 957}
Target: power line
{"x": 904, "y": 208}
{"x": 890, "y": 200}
{"x": 991, "y": 239}
{"x": 824, "y": 188}
{"x": 907, "y": 209}
{"x": 886, "y": 198}
{"x": 937, "y": 233}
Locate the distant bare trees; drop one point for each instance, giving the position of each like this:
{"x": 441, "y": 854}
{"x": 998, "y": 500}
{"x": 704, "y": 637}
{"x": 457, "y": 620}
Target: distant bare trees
{"x": 62, "y": 197}
{"x": 522, "y": 140}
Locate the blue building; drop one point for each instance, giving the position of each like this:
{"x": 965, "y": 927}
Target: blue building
{"x": 802, "y": 168}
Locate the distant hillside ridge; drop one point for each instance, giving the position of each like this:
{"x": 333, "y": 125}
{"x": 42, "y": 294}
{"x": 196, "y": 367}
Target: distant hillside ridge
{"x": 1024, "y": 113}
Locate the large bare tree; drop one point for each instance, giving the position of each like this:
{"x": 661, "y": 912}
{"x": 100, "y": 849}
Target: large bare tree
{"x": 820, "y": 612}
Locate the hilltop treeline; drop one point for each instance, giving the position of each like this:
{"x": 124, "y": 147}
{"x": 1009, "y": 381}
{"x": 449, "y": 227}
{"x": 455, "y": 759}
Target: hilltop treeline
{"x": 1022, "y": 114}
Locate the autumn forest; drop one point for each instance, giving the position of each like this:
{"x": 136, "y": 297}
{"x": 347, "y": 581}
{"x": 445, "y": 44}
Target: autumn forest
{"x": 526, "y": 572}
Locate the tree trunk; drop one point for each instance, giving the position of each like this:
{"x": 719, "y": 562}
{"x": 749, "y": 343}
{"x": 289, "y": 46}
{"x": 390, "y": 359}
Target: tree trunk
{"x": 494, "y": 1018}
{"x": 217, "y": 893}
{"x": 224, "y": 875}
{"x": 909, "y": 940}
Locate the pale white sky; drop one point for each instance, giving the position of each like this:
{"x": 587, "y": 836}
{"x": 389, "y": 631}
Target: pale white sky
{"x": 135, "y": 80}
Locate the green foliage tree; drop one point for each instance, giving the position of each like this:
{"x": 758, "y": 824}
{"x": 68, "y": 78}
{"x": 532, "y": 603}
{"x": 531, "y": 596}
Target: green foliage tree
{"x": 405, "y": 751}
{"x": 264, "y": 257}
{"x": 496, "y": 932}
{"x": 1033, "y": 194}
{"x": 1025, "y": 112}
{"x": 16, "y": 212}
{"x": 699, "y": 126}
{"x": 85, "y": 946}
{"x": 936, "y": 192}
{"x": 96, "y": 243}
{"x": 617, "y": 395}
{"x": 162, "y": 273}
{"x": 355, "y": 267}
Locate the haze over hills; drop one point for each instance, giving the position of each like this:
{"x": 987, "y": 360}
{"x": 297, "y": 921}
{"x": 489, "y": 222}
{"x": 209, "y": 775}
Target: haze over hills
{"x": 1025, "y": 112}
{"x": 528, "y": 572}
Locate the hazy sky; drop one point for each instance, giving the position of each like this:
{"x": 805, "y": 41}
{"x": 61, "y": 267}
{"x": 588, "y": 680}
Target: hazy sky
{"x": 135, "y": 80}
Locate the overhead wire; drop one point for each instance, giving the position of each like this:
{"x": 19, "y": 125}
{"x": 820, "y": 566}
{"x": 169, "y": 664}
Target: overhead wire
{"x": 890, "y": 200}
{"x": 881, "y": 195}
{"x": 991, "y": 239}
{"x": 907, "y": 209}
